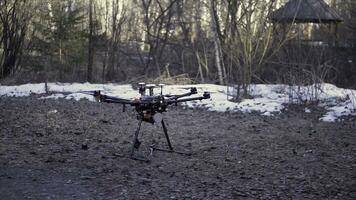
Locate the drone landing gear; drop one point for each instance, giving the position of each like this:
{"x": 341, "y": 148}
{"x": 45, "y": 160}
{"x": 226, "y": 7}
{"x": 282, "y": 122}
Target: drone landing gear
{"x": 136, "y": 144}
{"x": 170, "y": 148}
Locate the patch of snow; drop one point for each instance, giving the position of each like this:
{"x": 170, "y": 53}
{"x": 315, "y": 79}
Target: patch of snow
{"x": 268, "y": 99}
{"x": 328, "y": 118}
{"x": 79, "y": 96}
{"x": 338, "y": 102}
{"x": 265, "y": 102}
{"x": 53, "y": 96}
{"x": 22, "y": 90}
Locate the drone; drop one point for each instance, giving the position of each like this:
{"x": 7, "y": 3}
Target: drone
{"x": 147, "y": 106}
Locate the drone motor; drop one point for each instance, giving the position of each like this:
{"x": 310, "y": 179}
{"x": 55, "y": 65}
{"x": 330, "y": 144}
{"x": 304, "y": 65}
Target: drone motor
{"x": 150, "y": 88}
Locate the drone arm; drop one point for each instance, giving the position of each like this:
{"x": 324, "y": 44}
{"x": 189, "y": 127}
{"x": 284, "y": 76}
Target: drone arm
{"x": 175, "y": 101}
{"x": 187, "y": 99}
{"x": 110, "y": 99}
{"x": 107, "y": 99}
{"x": 193, "y": 90}
{"x": 179, "y": 96}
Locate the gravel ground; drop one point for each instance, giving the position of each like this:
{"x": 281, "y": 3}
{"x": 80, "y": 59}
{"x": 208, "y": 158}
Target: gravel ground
{"x": 60, "y": 149}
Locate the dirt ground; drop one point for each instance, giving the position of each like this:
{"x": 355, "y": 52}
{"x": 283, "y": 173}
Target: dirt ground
{"x": 61, "y": 149}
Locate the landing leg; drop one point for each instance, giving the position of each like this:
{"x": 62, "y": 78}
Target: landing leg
{"x": 136, "y": 143}
{"x": 166, "y": 134}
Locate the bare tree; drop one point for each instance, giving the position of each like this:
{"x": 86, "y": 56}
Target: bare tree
{"x": 14, "y": 17}
{"x": 248, "y": 39}
{"x": 157, "y": 23}
{"x": 118, "y": 19}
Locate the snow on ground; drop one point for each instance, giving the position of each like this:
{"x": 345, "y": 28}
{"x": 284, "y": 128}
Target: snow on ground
{"x": 267, "y": 99}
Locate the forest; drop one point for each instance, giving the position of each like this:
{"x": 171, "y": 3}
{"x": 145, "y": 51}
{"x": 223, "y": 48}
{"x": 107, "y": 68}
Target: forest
{"x": 203, "y": 41}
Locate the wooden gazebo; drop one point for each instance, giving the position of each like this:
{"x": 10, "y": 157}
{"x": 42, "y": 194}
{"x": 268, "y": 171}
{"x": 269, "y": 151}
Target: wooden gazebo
{"x": 307, "y": 11}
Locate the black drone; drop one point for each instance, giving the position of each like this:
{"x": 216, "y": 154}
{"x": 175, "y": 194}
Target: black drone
{"x": 147, "y": 105}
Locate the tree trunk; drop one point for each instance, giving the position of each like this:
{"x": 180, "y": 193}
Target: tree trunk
{"x": 110, "y": 74}
{"x": 61, "y": 69}
{"x": 217, "y": 45}
{"x": 90, "y": 43}
{"x": 200, "y": 67}
{"x": 106, "y": 53}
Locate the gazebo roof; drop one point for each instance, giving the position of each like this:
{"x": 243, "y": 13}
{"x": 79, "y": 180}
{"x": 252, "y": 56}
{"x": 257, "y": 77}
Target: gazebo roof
{"x": 305, "y": 11}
